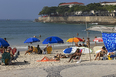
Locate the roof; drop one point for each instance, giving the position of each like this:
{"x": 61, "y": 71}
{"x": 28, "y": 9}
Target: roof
{"x": 108, "y": 2}
{"x": 71, "y": 3}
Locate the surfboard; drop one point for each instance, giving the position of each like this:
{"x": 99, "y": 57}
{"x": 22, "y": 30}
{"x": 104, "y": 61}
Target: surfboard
{"x": 73, "y": 50}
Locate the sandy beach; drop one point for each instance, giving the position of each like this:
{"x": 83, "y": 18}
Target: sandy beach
{"x": 31, "y": 63}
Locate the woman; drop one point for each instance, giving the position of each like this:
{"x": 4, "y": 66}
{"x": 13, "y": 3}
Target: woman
{"x": 30, "y": 49}
{"x": 76, "y": 54}
{"x": 101, "y": 53}
{"x": 88, "y": 42}
{"x": 61, "y": 56}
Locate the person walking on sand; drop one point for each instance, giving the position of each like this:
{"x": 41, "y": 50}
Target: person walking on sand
{"x": 83, "y": 42}
{"x": 95, "y": 41}
{"x": 88, "y": 42}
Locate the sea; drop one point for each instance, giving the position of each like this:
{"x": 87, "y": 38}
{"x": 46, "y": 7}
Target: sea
{"x": 18, "y": 30}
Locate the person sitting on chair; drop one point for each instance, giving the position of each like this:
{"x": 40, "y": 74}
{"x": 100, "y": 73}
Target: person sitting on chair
{"x": 101, "y": 53}
{"x": 45, "y": 49}
{"x": 6, "y": 58}
{"x": 39, "y": 50}
{"x": 77, "y": 53}
{"x": 30, "y": 49}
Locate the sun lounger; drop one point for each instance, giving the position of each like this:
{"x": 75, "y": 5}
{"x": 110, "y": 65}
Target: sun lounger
{"x": 16, "y": 56}
{"x": 14, "y": 50}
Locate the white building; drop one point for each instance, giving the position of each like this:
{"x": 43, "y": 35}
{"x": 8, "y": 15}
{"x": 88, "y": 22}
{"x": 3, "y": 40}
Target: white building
{"x": 108, "y": 3}
{"x": 71, "y": 4}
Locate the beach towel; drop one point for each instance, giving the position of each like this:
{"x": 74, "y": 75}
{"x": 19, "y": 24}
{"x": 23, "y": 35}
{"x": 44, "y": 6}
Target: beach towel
{"x": 46, "y": 59}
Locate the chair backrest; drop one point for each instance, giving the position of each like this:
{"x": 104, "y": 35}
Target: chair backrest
{"x": 14, "y": 51}
{"x": 10, "y": 48}
{"x": 16, "y": 55}
{"x": 35, "y": 49}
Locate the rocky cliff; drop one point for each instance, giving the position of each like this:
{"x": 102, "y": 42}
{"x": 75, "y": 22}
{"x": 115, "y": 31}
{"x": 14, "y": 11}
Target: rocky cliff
{"x": 80, "y": 19}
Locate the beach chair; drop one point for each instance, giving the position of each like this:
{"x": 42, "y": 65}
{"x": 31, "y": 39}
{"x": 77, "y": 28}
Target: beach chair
{"x": 35, "y": 50}
{"x": 14, "y": 51}
{"x": 16, "y": 56}
{"x": 10, "y": 48}
{"x": 49, "y": 50}
{"x": 76, "y": 59}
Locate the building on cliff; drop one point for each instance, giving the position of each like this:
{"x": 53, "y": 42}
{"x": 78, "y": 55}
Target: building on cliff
{"x": 108, "y": 3}
{"x": 70, "y": 4}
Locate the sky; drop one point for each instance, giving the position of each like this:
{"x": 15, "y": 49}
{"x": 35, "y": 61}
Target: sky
{"x": 29, "y": 9}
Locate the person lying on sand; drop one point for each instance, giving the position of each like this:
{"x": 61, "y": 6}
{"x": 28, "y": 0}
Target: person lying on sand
{"x": 101, "y": 53}
{"x": 45, "y": 59}
{"x": 75, "y": 55}
{"x": 62, "y": 55}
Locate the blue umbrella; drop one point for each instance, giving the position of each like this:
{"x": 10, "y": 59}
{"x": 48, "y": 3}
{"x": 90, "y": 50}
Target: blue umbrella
{"x": 52, "y": 39}
{"x": 3, "y": 43}
{"x": 31, "y": 40}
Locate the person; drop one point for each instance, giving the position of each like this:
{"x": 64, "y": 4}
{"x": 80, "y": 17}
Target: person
{"x": 30, "y": 49}
{"x": 61, "y": 56}
{"x": 6, "y": 58}
{"x": 11, "y": 54}
{"x": 51, "y": 58}
{"x": 83, "y": 42}
{"x": 2, "y": 49}
{"x": 101, "y": 53}
{"x": 40, "y": 36}
{"x": 95, "y": 41}
{"x": 80, "y": 45}
{"x": 34, "y": 36}
{"x": 45, "y": 49}
{"x": 39, "y": 50}
{"x": 7, "y": 42}
{"x": 76, "y": 54}
{"x": 88, "y": 42}
{"x": 76, "y": 44}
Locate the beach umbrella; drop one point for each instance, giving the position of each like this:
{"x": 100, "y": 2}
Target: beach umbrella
{"x": 52, "y": 40}
{"x": 31, "y": 40}
{"x": 75, "y": 39}
{"x": 3, "y": 43}
{"x": 98, "y": 39}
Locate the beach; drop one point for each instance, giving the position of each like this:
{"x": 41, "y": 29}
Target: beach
{"x": 31, "y": 65}
{"x": 16, "y": 32}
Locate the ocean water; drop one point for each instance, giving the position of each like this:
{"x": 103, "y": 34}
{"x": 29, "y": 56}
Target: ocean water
{"x": 17, "y": 31}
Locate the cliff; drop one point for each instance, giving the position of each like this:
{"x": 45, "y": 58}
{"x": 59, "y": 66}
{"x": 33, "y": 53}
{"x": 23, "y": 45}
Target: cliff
{"x": 80, "y": 19}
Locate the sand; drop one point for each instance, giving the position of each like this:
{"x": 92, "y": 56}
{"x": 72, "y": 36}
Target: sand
{"x": 38, "y": 66}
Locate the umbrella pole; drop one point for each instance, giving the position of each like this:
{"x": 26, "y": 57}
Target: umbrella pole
{"x": 53, "y": 47}
{"x": 89, "y": 53}
{"x": 89, "y": 46}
